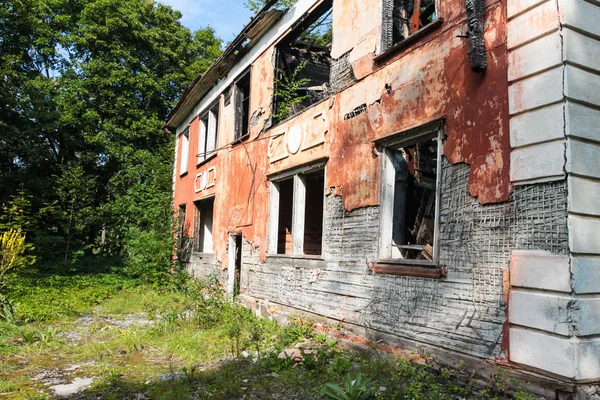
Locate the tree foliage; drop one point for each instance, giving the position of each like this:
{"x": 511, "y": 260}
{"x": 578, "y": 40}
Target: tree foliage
{"x": 257, "y": 5}
{"x": 87, "y": 85}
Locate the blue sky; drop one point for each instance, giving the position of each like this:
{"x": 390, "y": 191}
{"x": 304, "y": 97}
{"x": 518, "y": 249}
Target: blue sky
{"x": 227, "y": 17}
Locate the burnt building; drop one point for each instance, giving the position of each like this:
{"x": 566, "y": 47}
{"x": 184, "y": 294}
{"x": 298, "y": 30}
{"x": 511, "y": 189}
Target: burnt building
{"x": 425, "y": 172}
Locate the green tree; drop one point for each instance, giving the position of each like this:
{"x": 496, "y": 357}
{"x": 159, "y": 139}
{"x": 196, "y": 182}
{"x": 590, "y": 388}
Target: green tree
{"x": 87, "y": 86}
{"x": 256, "y": 5}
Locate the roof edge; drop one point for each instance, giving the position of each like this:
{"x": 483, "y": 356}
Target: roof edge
{"x": 202, "y": 83}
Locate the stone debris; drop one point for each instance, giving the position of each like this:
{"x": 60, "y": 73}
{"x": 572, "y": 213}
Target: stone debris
{"x": 69, "y": 389}
{"x": 295, "y": 354}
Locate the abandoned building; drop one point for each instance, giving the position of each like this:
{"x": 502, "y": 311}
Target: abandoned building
{"x": 424, "y": 172}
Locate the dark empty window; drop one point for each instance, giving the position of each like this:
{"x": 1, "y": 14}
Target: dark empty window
{"x": 409, "y": 197}
{"x": 296, "y": 209}
{"x": 402, "y": 18}
{"x": 313, "y": 215}
{"x": 284, "y": 228}
{"x": 242, "y": 105}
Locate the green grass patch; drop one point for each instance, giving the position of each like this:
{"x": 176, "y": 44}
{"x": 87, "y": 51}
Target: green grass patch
{"x": 188, "y": 342}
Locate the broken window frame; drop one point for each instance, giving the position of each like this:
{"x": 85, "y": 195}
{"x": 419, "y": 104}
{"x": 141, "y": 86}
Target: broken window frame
{"x": 429, "y": 131}
{"x": 199, "y": 217}
{"x": 184, "y": 158}
{"x": 298, "y": 210}
{"x": 242, "y": 124}
{"x": 387, "y": 40}
{"x": 301, "y": 26}
{"x": 208, "y": 133}
{"x": 181, "y": 213}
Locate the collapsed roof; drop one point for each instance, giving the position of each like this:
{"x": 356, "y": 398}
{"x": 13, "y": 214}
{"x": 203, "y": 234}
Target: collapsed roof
{"x": 201, "y": 85}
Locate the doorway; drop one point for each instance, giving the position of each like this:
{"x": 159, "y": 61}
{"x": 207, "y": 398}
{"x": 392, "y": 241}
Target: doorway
{"x": 234, "y": 265}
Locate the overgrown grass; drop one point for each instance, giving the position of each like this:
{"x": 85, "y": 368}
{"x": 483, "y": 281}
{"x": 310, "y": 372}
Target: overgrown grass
{"x": 187, "y": 341}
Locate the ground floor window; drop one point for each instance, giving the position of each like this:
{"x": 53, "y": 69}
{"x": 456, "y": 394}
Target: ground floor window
{"x": 203, "y": 226}
{"x": 411, "y": 163}
{"x": 296, "y": 212}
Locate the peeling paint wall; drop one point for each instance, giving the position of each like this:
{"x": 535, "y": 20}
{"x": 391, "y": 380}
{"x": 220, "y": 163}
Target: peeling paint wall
{"x": 378, "y": 95}
{"x": 464, "y": 312}
{"x": 429, "y": 79}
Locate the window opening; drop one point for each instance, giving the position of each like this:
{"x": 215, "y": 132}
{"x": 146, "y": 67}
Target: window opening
{"x": 313, "y": 214}
{"x": 303, "y": 64}
{"x": 238, "y": 266}
{"x": 296, "y": 210}
{"x": 203, "y": 228}
{"x": 410, "y": 196}
{"x": 185, "y": 152}
{"x": 181, "y": 215}
{"x": 402, "y": 18}
{"x": 284, "y": 228}
{"x": 242, "y": 106}
{"x": 209, "y": 126}
{"x": 414, "y": 200}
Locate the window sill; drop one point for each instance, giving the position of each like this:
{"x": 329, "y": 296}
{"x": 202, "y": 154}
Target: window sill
{"x": 298, "y": 257}
{"x": 207, "y": 159}
{"x": 418, "y": 268}
{"x": 424, "y": 31}
{"x": 240, "y": 140}
{"x": 181, "y": 175}
{"x": 313, "y": 105}
{"x": 200, "y": 254}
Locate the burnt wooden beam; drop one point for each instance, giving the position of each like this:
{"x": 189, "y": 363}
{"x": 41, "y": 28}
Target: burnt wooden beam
{"x": 475, "y": 22}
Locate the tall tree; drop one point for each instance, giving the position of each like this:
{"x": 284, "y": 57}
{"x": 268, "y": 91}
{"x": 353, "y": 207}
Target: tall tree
{"x": 87, "y": 84}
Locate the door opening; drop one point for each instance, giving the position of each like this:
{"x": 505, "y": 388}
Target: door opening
{"x": 234, "y": 265}
{"x": 238, "y": 265}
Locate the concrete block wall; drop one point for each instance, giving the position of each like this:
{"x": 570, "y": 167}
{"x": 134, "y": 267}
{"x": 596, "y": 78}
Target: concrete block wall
{"x": 554, "y": 103}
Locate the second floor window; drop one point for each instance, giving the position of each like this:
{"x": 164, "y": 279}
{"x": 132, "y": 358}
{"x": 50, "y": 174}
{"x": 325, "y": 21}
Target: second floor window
{"x": 303, "y": 64}
{"x": 402, "y": 18}
{"x": 241, "y": 91}
{"x": 209, "y": 126}
{"x": 185, "y": 152}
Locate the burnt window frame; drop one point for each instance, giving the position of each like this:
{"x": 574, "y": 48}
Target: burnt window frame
{"x": 299, "y": 27}
{"x": 298, "y": 175}
{"x": 387, "y": 42}
{"x": 208, "y": 132}
{"x": 198, "y": 235}
{"x": 239, "y": 133}
{"x": 433, "y": 130}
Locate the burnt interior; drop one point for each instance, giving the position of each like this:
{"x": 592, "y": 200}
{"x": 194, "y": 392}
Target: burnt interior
{"x": 313, "y": 216}
{"x": 308, "y": 47}
{"x": 284, "y": 226}
{"x": 411, "y": 15}
{"x": 242, "y": 105}
{"x": 414, "y": 200}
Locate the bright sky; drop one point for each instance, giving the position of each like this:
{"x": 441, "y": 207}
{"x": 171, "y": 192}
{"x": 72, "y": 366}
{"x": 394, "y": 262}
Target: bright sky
{"x": 227, "y": 17}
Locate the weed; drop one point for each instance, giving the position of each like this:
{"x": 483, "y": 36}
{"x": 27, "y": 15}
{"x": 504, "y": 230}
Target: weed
{"x": 357, "y": 389}
{"x": 190, "y": 372}
{"x": 340, "y": 365}
{"x": 47, "y": 336}
{"x": 6, "y": 386}
{"x": 133, "y": 340}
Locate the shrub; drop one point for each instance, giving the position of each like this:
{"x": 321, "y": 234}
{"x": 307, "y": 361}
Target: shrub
{"x": 148, "y": 254}
{"x": 12, "y": 246}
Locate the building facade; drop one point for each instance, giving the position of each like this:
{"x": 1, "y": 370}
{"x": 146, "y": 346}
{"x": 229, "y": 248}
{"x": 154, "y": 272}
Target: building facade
{"x": 425, "y": 172}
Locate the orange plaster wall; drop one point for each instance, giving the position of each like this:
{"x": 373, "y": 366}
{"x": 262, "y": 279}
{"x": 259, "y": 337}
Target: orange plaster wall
{"x": 427, "y": 80}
